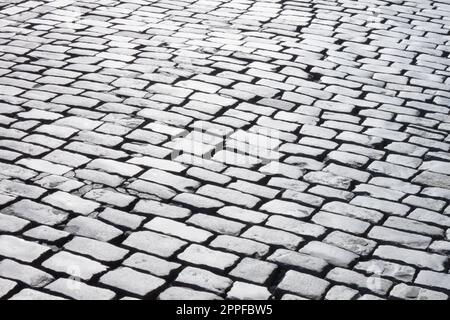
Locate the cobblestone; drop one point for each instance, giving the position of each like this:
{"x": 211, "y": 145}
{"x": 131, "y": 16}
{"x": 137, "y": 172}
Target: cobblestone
{"x": 31, "y": 276}
{"x": 101, "y": 251}
{"x": 247, "y": 291}
{"x": 132, "y": 281}
{"x": 178, "y": 229}
{"x": 6, "y": 286}
{"x": 204, "y": 256}
{"x": 304, "y": 284}
{"x": 79, "y": 290}
{"x": 329, "y": 253}
{"x": 178, "y": 293}
{"x": 224, "y": 150}
{"x": 403, "y": 291}
{"x": 204, "y": 279}
{"x": 414, "y": 257}
{"x": 30, "y": 294}
{"x": 13, "y": 247}
{"x": 240, "y": 245}
{"x": 349, "y": 277}
{"x": 154, "y": 243}
{"x": 71, "y": 202}
{"x": 92, "y": 228}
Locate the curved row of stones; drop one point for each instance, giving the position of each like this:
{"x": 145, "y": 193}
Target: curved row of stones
{"x": 237, "y": 149}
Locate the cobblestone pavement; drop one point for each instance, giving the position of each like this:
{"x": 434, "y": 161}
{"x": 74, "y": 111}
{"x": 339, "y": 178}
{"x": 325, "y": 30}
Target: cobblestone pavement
{"x": 238, "y": 149}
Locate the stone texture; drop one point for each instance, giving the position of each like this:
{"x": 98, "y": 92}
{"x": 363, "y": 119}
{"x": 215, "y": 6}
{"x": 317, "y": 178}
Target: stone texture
{"x": 13, "y": 247}
{"x": 304, "y": 284}
{"x": 132, "y": 281}
{"x": 224, "y": 150}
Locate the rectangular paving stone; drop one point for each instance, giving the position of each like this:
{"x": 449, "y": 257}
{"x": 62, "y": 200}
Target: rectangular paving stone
{"x": 355, "y": 244}
{"x": 151, "y": 207}
{"x": 36, "y": 212}
{"x": 228, "y": 195}
{"x": 46, "y": 234}
{"x": 129, "y": 280}
{"x": 353, "y": 211}
{"x": 15, "y": 171}
{"x": 413, "y": 226}
{"x": 30, "y": 294}
{"x": 171, "y": 180}
{"x": 23, "y": 250}
{"x": 300, "y": 260}
{"x": 152, "y": 264}
{"x": 113, "y": 166}
{"x": 406, "y": 292}
{"x": 295, "y": 226}
{"x": 418, "y": 258}
{"x": 201, "y": 255}
{"x": 79, "y": 290}
{"x": 433, "y": 279}
{"x": 240, "y": 245}
{"x": 178, "y": 229}
{"x": 388, "y": 269}
{"x": 70, "y": 202}
{"x": 180, "y": 293}
{"x": 121, "y": 218}
{"x": 6, "y": 286}
{"x": 204, "y": 279}
{"x": 24, "y": 273}
{"x": 12, "y": 224}
{"x": 304, "y": 284}
{"x": 154, "y": 243}
{"x": 330, "y": 253}
{"x": 353, "y": 278}
{"x": 98, "y": 250}
{"x": 215, "y": 224}
{"x": 13, "y": 188}
{"x": 273, "y": 236}
{"x": 389, "y": 207}
{"x": 110, "y": 197}
{"x": 339, "y": 222}
{"x": 72, "y": 264}
{"x": 399, "y": 237}
{"x": 92, "y": 228}
{"x": 287, "y": 208}
{"x": 254, "y": 270}
{"x": 162, "y": 164}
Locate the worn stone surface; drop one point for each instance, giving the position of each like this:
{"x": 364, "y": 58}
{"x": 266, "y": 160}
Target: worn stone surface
{"x": 224, "y": 149}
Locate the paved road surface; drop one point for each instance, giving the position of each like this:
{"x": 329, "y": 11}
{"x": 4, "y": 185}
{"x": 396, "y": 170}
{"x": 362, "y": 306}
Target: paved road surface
{"x": 224, "y": 149}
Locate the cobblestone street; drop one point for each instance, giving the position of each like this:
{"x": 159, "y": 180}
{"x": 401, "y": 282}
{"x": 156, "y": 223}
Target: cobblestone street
{"x": 224, "y": 149}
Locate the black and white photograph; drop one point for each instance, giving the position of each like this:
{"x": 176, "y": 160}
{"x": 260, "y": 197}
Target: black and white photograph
{"x": 235, "y": 152}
